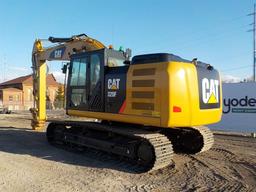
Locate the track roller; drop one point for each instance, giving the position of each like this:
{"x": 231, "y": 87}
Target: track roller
{"x": 191, "y": 140}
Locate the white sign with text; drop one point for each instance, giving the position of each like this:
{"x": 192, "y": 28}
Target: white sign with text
{"x": 239, "y": 108}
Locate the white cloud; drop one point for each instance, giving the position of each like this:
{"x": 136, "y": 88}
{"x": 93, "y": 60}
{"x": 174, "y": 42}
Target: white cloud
{"x": 230, "y": 78}
{"x": 249, "y": 79}
{"x": 21, "y": 69}
{"x": 11, "y": 72}
{"x": 20, "y": 72}
{"x": 59, "y": 76}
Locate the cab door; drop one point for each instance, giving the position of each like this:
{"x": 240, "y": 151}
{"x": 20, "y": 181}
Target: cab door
{"x": 96, "y": 81}
{"x": 85, "y": 84}
{"x": 77, "y": 89}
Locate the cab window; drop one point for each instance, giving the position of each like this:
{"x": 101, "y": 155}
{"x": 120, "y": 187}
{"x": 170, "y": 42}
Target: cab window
{"x": 115, "y": 62}
{"x": 94, "y": 71}
{"x": 78, "y": 82}
{"x": 78, "y": 75}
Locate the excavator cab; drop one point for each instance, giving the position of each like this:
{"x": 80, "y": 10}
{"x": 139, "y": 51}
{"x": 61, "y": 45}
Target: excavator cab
{"x": 87, "y": 80}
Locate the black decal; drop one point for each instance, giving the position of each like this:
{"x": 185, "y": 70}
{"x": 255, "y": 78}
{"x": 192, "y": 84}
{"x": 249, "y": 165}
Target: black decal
{"x": 209, "y": 87}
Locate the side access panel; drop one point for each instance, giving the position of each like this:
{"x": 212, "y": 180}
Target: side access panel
{"x": 115, "y": 89}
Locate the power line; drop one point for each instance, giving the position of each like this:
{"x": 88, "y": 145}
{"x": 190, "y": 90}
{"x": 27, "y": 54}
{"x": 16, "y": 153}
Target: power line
{"x": 203, "y": 33}
{"x": 199, "y": 40}
{"x": 236, "y": 68}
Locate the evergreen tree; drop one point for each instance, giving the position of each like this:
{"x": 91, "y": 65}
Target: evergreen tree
{"x": 59, "y": 98}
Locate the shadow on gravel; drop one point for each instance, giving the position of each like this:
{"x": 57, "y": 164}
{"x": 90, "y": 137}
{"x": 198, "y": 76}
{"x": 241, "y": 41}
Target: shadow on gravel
{"x": 27, "y": 142}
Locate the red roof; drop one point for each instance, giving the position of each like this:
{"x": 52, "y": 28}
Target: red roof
{"x": 50, "y": 79}
{"x": 17, "y": 80}
{"x": 11, "y": 89}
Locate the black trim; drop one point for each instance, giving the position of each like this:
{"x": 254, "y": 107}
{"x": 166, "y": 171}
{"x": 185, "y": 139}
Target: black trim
{"x": 156, "y": 58}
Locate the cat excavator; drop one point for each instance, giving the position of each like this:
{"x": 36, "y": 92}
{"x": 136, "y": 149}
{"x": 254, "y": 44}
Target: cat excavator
{"x": 147, "y": 107}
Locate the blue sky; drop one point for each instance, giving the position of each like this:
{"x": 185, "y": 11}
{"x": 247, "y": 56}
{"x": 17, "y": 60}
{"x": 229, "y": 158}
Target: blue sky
{"x": 212, "y": 31}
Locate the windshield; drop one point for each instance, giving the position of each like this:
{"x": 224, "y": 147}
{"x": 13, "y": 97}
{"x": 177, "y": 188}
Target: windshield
{"x": 115, "y": 62}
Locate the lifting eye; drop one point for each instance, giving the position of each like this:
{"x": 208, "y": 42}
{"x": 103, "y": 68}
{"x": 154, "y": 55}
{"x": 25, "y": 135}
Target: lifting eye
{"x": 209, "y": 67}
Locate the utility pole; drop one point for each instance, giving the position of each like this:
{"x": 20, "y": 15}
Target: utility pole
{"x": 254, "y": 47}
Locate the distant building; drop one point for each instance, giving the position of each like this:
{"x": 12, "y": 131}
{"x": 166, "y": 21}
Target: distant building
{"x": 17, "y": 94}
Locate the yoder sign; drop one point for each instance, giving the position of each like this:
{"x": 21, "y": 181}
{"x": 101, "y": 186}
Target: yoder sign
{"x": 239, "y": 108}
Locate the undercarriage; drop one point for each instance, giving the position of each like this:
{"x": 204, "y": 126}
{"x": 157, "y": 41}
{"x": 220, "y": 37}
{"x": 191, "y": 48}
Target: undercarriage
{"x": 150, "y": 148}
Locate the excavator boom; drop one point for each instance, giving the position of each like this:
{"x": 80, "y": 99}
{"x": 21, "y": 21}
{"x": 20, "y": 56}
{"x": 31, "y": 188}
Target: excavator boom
{"x": 62, "y": 51}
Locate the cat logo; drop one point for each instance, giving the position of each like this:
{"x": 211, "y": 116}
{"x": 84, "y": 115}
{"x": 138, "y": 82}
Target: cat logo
{"x": 58, "y": 53}
{"x": 210, "y": 91}
{"x": 113, "y": 84}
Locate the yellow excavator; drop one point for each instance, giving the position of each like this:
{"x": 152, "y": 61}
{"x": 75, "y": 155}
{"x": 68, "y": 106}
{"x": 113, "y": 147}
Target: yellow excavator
{"x": 148, "y": 106}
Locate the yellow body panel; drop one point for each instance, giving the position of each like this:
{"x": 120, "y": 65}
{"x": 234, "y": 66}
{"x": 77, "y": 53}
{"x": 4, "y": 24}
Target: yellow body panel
{"x": 183, "y": 91}
{"x": 117, "y": 117}
{"x": 146, "y": 78}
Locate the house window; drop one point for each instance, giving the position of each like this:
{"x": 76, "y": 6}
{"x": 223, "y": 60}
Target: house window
{"x": 10, "y": 98}
{"x": 53, "y": 94}
{"x": 16, "y": 98}
{"x": 30, "y": 96}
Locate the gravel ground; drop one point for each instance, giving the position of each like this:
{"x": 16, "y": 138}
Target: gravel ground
{"x": 29, "y": 163}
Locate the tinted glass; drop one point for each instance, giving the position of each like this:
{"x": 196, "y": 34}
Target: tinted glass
{"x": 78, "y": 75}
{"x": 115, "y": 62}
{"x": 78, "y": 97}
{"x": 78, "y": 82}
{"x": 82, "y": 73}
{"x": 94, "y": 71}
{"x": 75, "y": 72}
